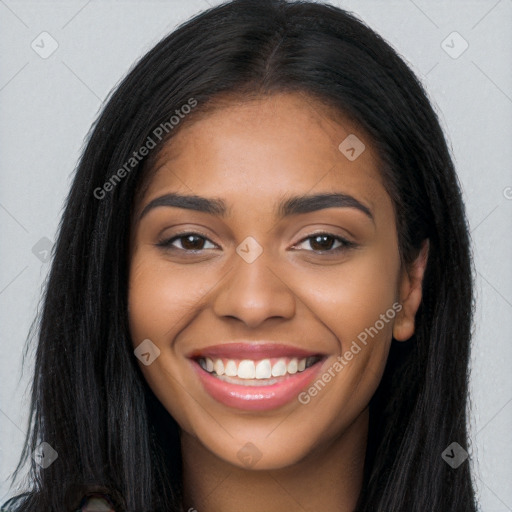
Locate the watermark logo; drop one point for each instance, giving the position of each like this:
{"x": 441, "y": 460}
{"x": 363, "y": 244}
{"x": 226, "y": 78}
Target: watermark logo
{"x": 454, "y": 45}
{"x": 249, "y": 455}
{"x": 352, "y": 147}
{"x": 146, "y": 352}
{"x": 454, "y": 455}
{"x": 249, "y": 249}
{"x": 44, "y": 455}
{"x": 42, "y": 249}
{"x": 44, "y": 45}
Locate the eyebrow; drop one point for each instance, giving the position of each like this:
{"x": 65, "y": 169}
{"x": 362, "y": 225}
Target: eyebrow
{"x": 287, "y": 207}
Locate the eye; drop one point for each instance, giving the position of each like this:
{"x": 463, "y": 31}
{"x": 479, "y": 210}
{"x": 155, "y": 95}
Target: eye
{"x": 187, "y": 242}
{"x": 326, "y": 242}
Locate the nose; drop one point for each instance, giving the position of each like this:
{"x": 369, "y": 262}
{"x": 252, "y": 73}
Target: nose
{"x": 253, "y": 293}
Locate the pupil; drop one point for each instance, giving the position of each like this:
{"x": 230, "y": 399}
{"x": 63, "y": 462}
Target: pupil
{"x": 323, "y": 239}
{"x": 189, "y": 243}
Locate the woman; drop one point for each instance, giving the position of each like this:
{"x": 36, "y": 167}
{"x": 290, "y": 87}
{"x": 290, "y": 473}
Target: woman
{"x": 261, "y": 293}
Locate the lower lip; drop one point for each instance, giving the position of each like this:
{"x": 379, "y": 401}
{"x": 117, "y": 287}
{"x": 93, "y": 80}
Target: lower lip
{"x": 257, "y": 398}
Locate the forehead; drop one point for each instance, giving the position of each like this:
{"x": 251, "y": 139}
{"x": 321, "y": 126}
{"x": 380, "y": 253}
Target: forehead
{"x": 253, "y": 150}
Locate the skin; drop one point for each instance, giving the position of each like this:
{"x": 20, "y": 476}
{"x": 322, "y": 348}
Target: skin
{"x": 251, "y": 155}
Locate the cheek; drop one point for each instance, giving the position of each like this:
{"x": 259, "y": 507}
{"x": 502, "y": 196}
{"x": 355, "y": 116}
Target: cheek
{"x": 162, "y": 298}
{"x": 352, "y": 297}
{"x": 161, "y": 301}
{"x": 357, "y": 303}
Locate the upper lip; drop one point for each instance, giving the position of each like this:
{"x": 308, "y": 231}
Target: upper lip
{"x": 251, "y": 351}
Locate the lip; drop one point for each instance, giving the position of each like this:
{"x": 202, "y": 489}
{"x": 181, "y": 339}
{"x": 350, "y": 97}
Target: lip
{"x": 255, "y": 398}
{"x": 251, "y": 351}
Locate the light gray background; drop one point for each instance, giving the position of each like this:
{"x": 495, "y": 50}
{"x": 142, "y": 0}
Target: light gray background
{"x": 47, "y": 106}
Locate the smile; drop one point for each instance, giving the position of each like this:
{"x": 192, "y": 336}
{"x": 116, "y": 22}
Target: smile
{"x": 250, "y": 372}
{"x": 255, "y": 376}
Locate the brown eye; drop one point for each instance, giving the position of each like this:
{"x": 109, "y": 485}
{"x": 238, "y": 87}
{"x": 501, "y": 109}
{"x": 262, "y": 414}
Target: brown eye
{"x": 326, "y": 242}
{"x": 322, "y": 242}
{"x": 192, "y": 242}
{"x": 187, "y": 242}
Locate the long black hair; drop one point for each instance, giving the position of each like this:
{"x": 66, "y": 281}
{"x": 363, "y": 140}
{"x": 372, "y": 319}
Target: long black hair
{"x": 90, "y": 401}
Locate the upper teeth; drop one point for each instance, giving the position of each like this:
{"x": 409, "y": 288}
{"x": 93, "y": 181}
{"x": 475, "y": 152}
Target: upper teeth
{"x": 249, "y": 369}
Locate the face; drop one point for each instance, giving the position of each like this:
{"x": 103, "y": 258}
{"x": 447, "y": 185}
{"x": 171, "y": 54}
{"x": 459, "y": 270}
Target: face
{"x": 263, "y": 319}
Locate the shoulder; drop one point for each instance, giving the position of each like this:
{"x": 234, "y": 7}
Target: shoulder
{"x": 7, "y": 508}
{"x": 15, "y": 503}
{"x": 94, "y": 502}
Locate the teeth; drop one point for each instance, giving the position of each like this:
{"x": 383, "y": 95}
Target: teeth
{"x": 264, "y": 369}
{"x": 219, "y": 367}
{"x": 292, "y": 366}
{"x": 246, "y": 369}
{"x": 279, "y": 369}
{"x": 251, "y": 370}
{"x": 230, "y": 369}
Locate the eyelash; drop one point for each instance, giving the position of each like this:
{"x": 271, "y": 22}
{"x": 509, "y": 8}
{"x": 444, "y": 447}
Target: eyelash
{"x": 345, "y": 244}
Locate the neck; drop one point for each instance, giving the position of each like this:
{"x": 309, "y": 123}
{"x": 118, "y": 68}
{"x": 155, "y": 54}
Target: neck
{"x": 328, "y": 479}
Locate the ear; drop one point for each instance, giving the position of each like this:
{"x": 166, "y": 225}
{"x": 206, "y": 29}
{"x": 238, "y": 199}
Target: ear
{"x": 410, "y": 291}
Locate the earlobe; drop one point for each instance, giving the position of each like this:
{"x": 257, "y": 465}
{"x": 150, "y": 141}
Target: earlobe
{"x": 411, "y": 284}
